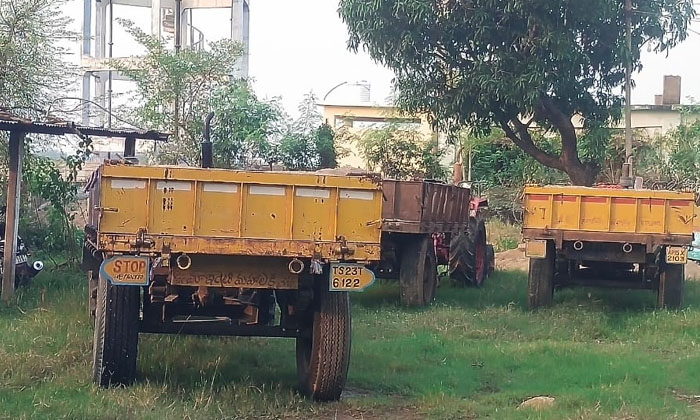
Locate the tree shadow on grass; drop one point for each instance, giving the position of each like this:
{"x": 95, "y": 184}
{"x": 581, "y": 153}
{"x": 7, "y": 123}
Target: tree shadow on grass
{"x": 191, "y": 363}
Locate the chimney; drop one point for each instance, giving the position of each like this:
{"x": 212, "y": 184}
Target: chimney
{"x": 672, "y": 90}
{"x": 658, "y": 99}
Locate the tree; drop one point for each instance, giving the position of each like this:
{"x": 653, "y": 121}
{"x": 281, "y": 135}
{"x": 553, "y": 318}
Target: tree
{"x": 33, "y": 71}
{"x": 400, "y": 153}
{"x": 308, "y": 143}
{"x": 521, "y": 65}
{"x": 244, "y": 127}
{"x": 189, "y": 77}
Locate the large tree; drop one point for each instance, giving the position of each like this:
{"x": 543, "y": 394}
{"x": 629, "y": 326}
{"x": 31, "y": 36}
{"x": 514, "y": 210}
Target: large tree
{"x": 521, "y": 65}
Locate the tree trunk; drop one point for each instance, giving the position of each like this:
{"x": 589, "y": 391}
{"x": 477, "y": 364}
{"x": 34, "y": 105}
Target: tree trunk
{"x": 568, "y": 161}
{"x": 582, "y": 174}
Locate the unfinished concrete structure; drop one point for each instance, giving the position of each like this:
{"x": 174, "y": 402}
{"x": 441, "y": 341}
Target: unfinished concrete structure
{"x": 166, "y": 17}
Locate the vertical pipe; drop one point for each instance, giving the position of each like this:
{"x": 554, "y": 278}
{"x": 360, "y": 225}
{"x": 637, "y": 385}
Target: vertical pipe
{"x": 16, "y": 151}
{"x": 178, "y": 44}
{"x": 87, "y": 26}
{"x": 109, "y": 73}
{"x": 627, "y": 166}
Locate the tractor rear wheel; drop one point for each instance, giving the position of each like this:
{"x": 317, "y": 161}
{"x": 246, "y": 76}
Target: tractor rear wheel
{"x": 469, "y": 262}
{"x": 418, "y": 271}
{"x": 324, "y": 356}
{"x": 116, "y": 338}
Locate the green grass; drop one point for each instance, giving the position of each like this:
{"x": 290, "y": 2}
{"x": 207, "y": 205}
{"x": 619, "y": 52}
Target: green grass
{"x": 475, "y": 353}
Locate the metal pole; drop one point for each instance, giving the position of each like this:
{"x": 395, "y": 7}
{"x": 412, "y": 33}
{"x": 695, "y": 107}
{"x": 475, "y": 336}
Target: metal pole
{"x": 109, "y": 73}
{"x": 178, "y": 44}
{"x": 12, "y": 215}
{"x": 626, "y": 177}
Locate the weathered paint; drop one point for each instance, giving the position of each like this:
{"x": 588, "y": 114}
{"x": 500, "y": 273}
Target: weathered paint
{"x": 609, "y": 210}
{"x": 225, "y": 212}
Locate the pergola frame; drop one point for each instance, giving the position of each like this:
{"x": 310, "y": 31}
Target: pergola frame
{"x": 18, "y": 129}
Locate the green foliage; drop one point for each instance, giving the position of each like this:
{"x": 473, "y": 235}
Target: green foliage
{"x": 247, "y": 131}
{"x": 401, "y": 153}
{"x": 493, "y": 63}
{"x": 673, "y": 160}
{"x": 33, "y": 69}
{"x": 308, "y": 144}
{"x": 243, "y": 127}
{"x": 190, "y": 77}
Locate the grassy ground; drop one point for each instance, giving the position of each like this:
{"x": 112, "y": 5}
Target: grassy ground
{"x": 472, "y": 354}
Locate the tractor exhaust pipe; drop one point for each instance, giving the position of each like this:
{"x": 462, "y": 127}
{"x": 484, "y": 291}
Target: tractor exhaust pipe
{"x": 207, "y": 152}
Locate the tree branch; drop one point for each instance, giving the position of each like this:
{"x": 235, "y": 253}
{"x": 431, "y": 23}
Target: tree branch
{"x": 523, "y": 140}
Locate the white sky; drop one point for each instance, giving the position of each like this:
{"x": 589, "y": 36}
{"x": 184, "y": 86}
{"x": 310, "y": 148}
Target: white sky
{"x": 300, "y": 46}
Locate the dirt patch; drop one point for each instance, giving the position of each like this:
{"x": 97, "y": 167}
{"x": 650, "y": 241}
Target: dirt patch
{"x": 513, "y": 259}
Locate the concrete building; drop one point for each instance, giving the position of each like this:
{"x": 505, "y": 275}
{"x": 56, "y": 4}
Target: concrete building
{"x": 101, "y": 86}
{"x": 356, "y": 114}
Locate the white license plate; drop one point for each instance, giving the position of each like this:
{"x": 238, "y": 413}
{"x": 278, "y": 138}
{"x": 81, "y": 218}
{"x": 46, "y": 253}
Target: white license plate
{"x": 21, "y": 259}
{"x": 350, "y": 277}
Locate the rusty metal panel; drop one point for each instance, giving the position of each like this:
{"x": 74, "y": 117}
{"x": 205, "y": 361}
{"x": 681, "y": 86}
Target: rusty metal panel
{"x": 424, "y": 207}
{"x": 247, "y": 272}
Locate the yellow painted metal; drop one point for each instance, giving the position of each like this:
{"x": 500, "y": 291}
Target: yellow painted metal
{"x": 215, "y": 211}
{"x": 246, "y": 272}
{"x": 609, "y": 210}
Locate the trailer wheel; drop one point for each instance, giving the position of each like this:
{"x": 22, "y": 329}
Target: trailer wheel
{"x": 116, "y": 338}
{"x": 324, "y": 357}
{"x": 540, "y": 281}
{"x": 490, "y": 260}
{"x": 469, "y": 263}
{"x": 418, "y": 272}
{"x": 92, "y": 294}
{"x": 671, "y": 283}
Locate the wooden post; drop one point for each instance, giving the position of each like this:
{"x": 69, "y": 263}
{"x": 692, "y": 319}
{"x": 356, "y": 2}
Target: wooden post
{"x": 129, "y": 147}
{"x": 12, "y": 215}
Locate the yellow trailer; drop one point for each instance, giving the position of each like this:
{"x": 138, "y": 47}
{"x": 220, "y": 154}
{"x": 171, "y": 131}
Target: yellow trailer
{"x": 215, "y": 252}
{"x": 607, "y": 237}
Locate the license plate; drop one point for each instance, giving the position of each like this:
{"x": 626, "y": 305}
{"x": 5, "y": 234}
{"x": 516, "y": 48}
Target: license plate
{"x": 676, "y": 255}
{"x": 536, "y": 249}
{"x": 21, "y": 259}
{"x": 126, "y": 270}
{"x": 349, "y": 277}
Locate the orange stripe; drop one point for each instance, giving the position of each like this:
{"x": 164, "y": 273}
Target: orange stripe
{"x": 652, "y": 201}
{"x": 622, "y": 200}
{"x": 680, "y": 203}
{"x": 594, "y": 199}
{"x": 538, "y": 197}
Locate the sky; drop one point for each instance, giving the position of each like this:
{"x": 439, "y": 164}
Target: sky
{"x": 298, "y": 47}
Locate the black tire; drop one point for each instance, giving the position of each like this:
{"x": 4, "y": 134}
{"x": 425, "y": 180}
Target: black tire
{"x": 671, "y": 285}
{"x": 115, "y": 344}
{"x": 540, "y": 281}
{"x": 418, "y": 271}
{"x": 490, "y": 260}
{"x": 92, "y": 293}
{"x": 468, "y": 255}
{"x": 324, "y": 357}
